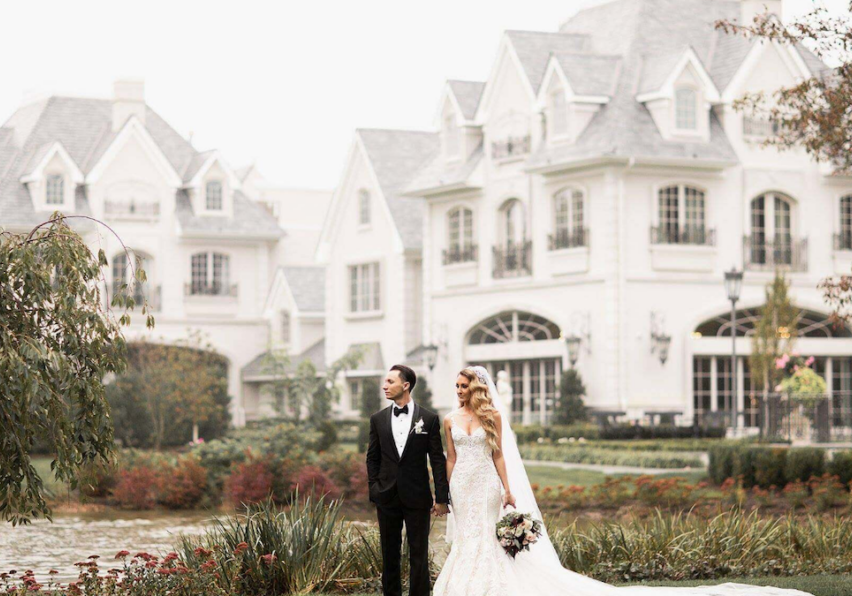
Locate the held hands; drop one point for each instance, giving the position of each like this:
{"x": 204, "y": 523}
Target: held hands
{"x": 440, "y": 509}
{"x": 508, "y": 499}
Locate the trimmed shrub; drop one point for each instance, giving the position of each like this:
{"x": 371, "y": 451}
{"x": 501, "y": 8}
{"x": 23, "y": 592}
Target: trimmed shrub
{"x": 313, "y": 481}
{"x": 841, "y": 466}
{"x": 721, "y": 466}
{"x": 249, "y": 482}
{"x": 804, "y": 463}
{"x": 532, "y": 433}
{"x": 667, "y": 431}
{"x": 183, "y": 485}
{"x": 136, "y": 488}
{"x": 769, "y": 467}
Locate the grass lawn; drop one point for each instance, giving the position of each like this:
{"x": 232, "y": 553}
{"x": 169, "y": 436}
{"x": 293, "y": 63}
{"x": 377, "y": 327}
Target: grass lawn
{"x": 818, "y": 585}
{"x": 551, "y": 476}
{"x": 42, "y": 465}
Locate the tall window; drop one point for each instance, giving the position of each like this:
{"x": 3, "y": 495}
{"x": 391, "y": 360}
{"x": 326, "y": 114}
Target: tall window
{"x": 682, "y": 219}
{"x": 460, "y": 248}
{"x": 514, "y": 223}
{"x": 771, "y": 239}
{"x": 285, "y": 326}
{"x": 568, "y": 220}
{"x": 844, "y": 238}
{"x": 686, "y": 109}
{"x": 210, "y": 274}
{"x": 364, "y": 288}
{"x": 450, "y": 135}
{"x": 363, "y": 207}
{"x": 123, "y": 273}
{"x": 54, "y": 190}
{"x": 558, "y": 113}
{"x": 355, "y": 388}
{"x": 213, "y": 195}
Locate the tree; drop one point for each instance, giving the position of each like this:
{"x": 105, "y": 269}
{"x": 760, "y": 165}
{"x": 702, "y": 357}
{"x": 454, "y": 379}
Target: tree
{"x": 774, "y": 334}
{"x": 57, "y": 343}
{"x": 180, "y": 387}
{"x": 423, "y": 393}
{"x": 816, "y": 113}
{"x": 571, "y": 408}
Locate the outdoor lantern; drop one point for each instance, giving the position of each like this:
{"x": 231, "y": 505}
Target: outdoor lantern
{"x": 663, "y": 342}
{"x": 733, "y": 284}
{"x": 573, "y": 343}
{"x": 430, "y": 354}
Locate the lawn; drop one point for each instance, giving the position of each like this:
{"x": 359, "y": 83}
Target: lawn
{"x": 552, "y": 476}
{"x": 42, "y": 465}
{"x": 818, "y": 585}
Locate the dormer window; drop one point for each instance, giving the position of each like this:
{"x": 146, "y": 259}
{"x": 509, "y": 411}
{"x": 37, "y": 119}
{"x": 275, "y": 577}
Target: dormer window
{"x": 213, "y": 196}
{"x": 364, "y": 207}
{"x": 686, "y": 109}
{"x": 54, "y": 192}
{"x": 558, "y": 114}
{"x": 450, "y": 135}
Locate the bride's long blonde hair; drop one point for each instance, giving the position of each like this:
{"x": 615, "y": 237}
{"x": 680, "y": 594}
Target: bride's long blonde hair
{"x": 482, "y": 406}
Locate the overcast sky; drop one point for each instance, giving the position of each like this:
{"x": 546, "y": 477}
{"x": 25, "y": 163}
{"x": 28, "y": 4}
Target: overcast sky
{"x": 281, "y": 84}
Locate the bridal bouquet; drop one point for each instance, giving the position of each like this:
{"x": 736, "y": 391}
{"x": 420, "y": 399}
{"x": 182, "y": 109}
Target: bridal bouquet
{"x": 516, "y": 531}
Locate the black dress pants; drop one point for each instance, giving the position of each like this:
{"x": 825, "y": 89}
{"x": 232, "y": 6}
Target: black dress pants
{"x": 392, "y": 516}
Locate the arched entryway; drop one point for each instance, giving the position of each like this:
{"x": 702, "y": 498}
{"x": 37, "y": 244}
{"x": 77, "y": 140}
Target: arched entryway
{"x": 712, "y": 380}
{"x": 528, "y": 347}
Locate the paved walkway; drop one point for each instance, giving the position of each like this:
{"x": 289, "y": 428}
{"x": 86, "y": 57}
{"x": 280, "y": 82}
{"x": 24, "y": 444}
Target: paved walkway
{"x": 610, "y": 469}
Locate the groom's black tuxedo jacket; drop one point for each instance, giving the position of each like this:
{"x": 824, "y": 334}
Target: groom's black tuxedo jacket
{"x": 388, "y": 472}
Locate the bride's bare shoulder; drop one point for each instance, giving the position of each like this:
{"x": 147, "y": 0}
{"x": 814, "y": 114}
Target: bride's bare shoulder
{"x": 450, "y": 415}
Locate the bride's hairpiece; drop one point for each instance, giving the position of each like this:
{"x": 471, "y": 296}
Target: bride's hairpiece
{"x": 480, "y": 374}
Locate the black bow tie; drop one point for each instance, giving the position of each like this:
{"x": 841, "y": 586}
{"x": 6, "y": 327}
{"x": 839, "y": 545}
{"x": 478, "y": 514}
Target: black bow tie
{"x": 402, "y": 410}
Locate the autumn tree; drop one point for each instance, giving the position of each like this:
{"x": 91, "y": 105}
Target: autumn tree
{"x": 774, "y": 334}
{"x": 814, "y": 114}
{"x": 58, "y": 341}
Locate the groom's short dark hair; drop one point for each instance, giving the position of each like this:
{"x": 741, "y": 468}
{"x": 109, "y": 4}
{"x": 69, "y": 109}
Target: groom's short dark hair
{"x": 408, "y": 375}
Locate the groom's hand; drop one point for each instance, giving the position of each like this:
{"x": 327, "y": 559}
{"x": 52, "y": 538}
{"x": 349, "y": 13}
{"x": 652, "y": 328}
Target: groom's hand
{"x": 440, "y": 509}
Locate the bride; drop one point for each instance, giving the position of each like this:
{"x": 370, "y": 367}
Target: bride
{"x": 486, "y": 474}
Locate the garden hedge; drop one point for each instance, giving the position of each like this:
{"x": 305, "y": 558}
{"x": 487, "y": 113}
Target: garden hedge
{"x": 775, "y": 466}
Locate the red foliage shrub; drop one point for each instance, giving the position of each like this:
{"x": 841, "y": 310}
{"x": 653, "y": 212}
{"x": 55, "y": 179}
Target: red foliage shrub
{"x": 136, "y": 488}
{"x": 183, "y": 485}
{"x": 249, "y": 482}
{"x": 311, "y": 480}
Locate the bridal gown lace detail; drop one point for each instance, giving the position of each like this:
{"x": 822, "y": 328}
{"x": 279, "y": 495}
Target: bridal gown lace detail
{"x": 477, "y": 564}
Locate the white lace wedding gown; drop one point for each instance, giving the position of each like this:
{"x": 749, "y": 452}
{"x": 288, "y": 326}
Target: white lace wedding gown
{"x": 478, "y": 566}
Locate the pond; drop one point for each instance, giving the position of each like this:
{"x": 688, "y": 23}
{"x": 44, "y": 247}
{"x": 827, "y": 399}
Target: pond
{"x": 42, "y": 545}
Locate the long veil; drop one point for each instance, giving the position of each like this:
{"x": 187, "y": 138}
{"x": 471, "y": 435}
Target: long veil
{"x": 539, "y": 571}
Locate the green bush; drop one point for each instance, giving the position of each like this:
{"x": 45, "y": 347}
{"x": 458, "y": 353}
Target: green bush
{"x": 534, "y": 432}
{"x": 721, "y": 466}
{"x": 769, "y": 467}
{"x": 841, "y": 466}
{"x": 660, "y": 431}
{"x": 590, "y": 455}
{"x": 804, "y": 463}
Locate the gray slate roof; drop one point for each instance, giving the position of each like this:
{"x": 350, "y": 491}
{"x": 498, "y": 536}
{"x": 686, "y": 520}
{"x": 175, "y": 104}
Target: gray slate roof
{"x": 396, "y": 157}
{"x": 307, "y": 284}
{"x": 438, "y": 173}
{"x": 534, "y": 48}
{"x": 590, "y": 74}
{"x": 264, "y": 368}
{"x": 250, "y": 219}
{"x": 468, "y": 94}
{"x": 84, "y": 127}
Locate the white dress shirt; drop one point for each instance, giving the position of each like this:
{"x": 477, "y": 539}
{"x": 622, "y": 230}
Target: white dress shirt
{"x": 401, "y": 426}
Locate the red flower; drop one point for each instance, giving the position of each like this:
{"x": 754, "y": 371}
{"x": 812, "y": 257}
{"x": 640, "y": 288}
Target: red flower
{"x": 269, "y": 559}
{"x": 208, "y": 565}
{"x": 170, "y": 557}
{"x": 150, "y": 564}
{"x": 52, "y": 572}
{"x": 121, "y": 554}
{"x": 241, "y": 548}
{"x": 202, "y": 552}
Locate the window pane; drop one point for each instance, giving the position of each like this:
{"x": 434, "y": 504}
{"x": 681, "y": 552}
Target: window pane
{"x": 199, "y": 273}
{"x": 285, "y": 326}
{"x": 758, "y": 230}
{"x": 454, "y": 228}
{"x": 364, "y": 207}
{"x": 468, "y": 229}
{"x": 701, "y": 384}
{"x": 668, "y": 205}
{"x": 685, "y": 106}
{"x": 577, "y": 215}
{"x": 119, "y": 272}
{"x": 846, "y": 222}
{"x": 214, "y": 195}
{"x": 353, "y": 288}
{"x": 221, "y": 273}
{"x": 560, "y": 213}
{"x": 376, "y": 287}
{"x": 783, "y": 232}
{"x": 55, "y": 190}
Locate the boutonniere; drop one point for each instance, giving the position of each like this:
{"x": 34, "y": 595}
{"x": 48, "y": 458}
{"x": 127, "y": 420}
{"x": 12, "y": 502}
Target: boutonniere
{"x": 418, "y": 428}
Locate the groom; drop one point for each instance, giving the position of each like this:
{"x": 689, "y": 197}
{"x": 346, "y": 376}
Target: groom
{"x": 401, "y": 437}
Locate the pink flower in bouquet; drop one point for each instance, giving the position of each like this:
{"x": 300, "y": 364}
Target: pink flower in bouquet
{"x": 782, "y": 361}
{"x": 809, "y": 361}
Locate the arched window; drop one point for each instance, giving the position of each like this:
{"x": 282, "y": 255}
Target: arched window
{"x": 513, "y": 326}
{"x": 460, "y": 246}
{"x": 558, "y": 113}
{"x": 512, "y": 258}
{"x": 211, "y": 275}
{"x": 450, "y": 134}
{"x": 771, "y": 242}
{"x": 54, "y": 192}
{"x": 569, "y": 229}
{"x": 213, "y": 195}
{"x": 686, "y": 109}
{"x": 681, "y": 217}
{"x": 363, "y": 207}
{"x": 843, "y": 240}
{"x": 808, "y": 324}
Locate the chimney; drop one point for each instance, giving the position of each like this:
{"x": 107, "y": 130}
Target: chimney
{"x": 128, "y": 100}
{"x": 751, "y": 8}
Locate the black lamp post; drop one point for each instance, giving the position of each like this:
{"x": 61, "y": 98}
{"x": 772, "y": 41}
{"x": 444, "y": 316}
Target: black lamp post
{"x": 733, "y": 286}
{"x": 573, "y": 343}
{"x": 430, "y": 355}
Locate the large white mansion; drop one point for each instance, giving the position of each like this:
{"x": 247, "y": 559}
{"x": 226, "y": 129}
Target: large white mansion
{"x": 597, "y": 184}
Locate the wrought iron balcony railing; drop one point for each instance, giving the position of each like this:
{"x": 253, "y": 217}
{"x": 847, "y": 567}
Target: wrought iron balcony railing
{"x": 211, "y": 289}
{"x": 131, "y": 210}
{"x": 512, "y": 260}
{"x": 694, "y": 235}
{"x": 461, "y": 254}
{"x": 568, "y": 239}
{"x": 510, "y": 147}
{"x": 760, "y": 254}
